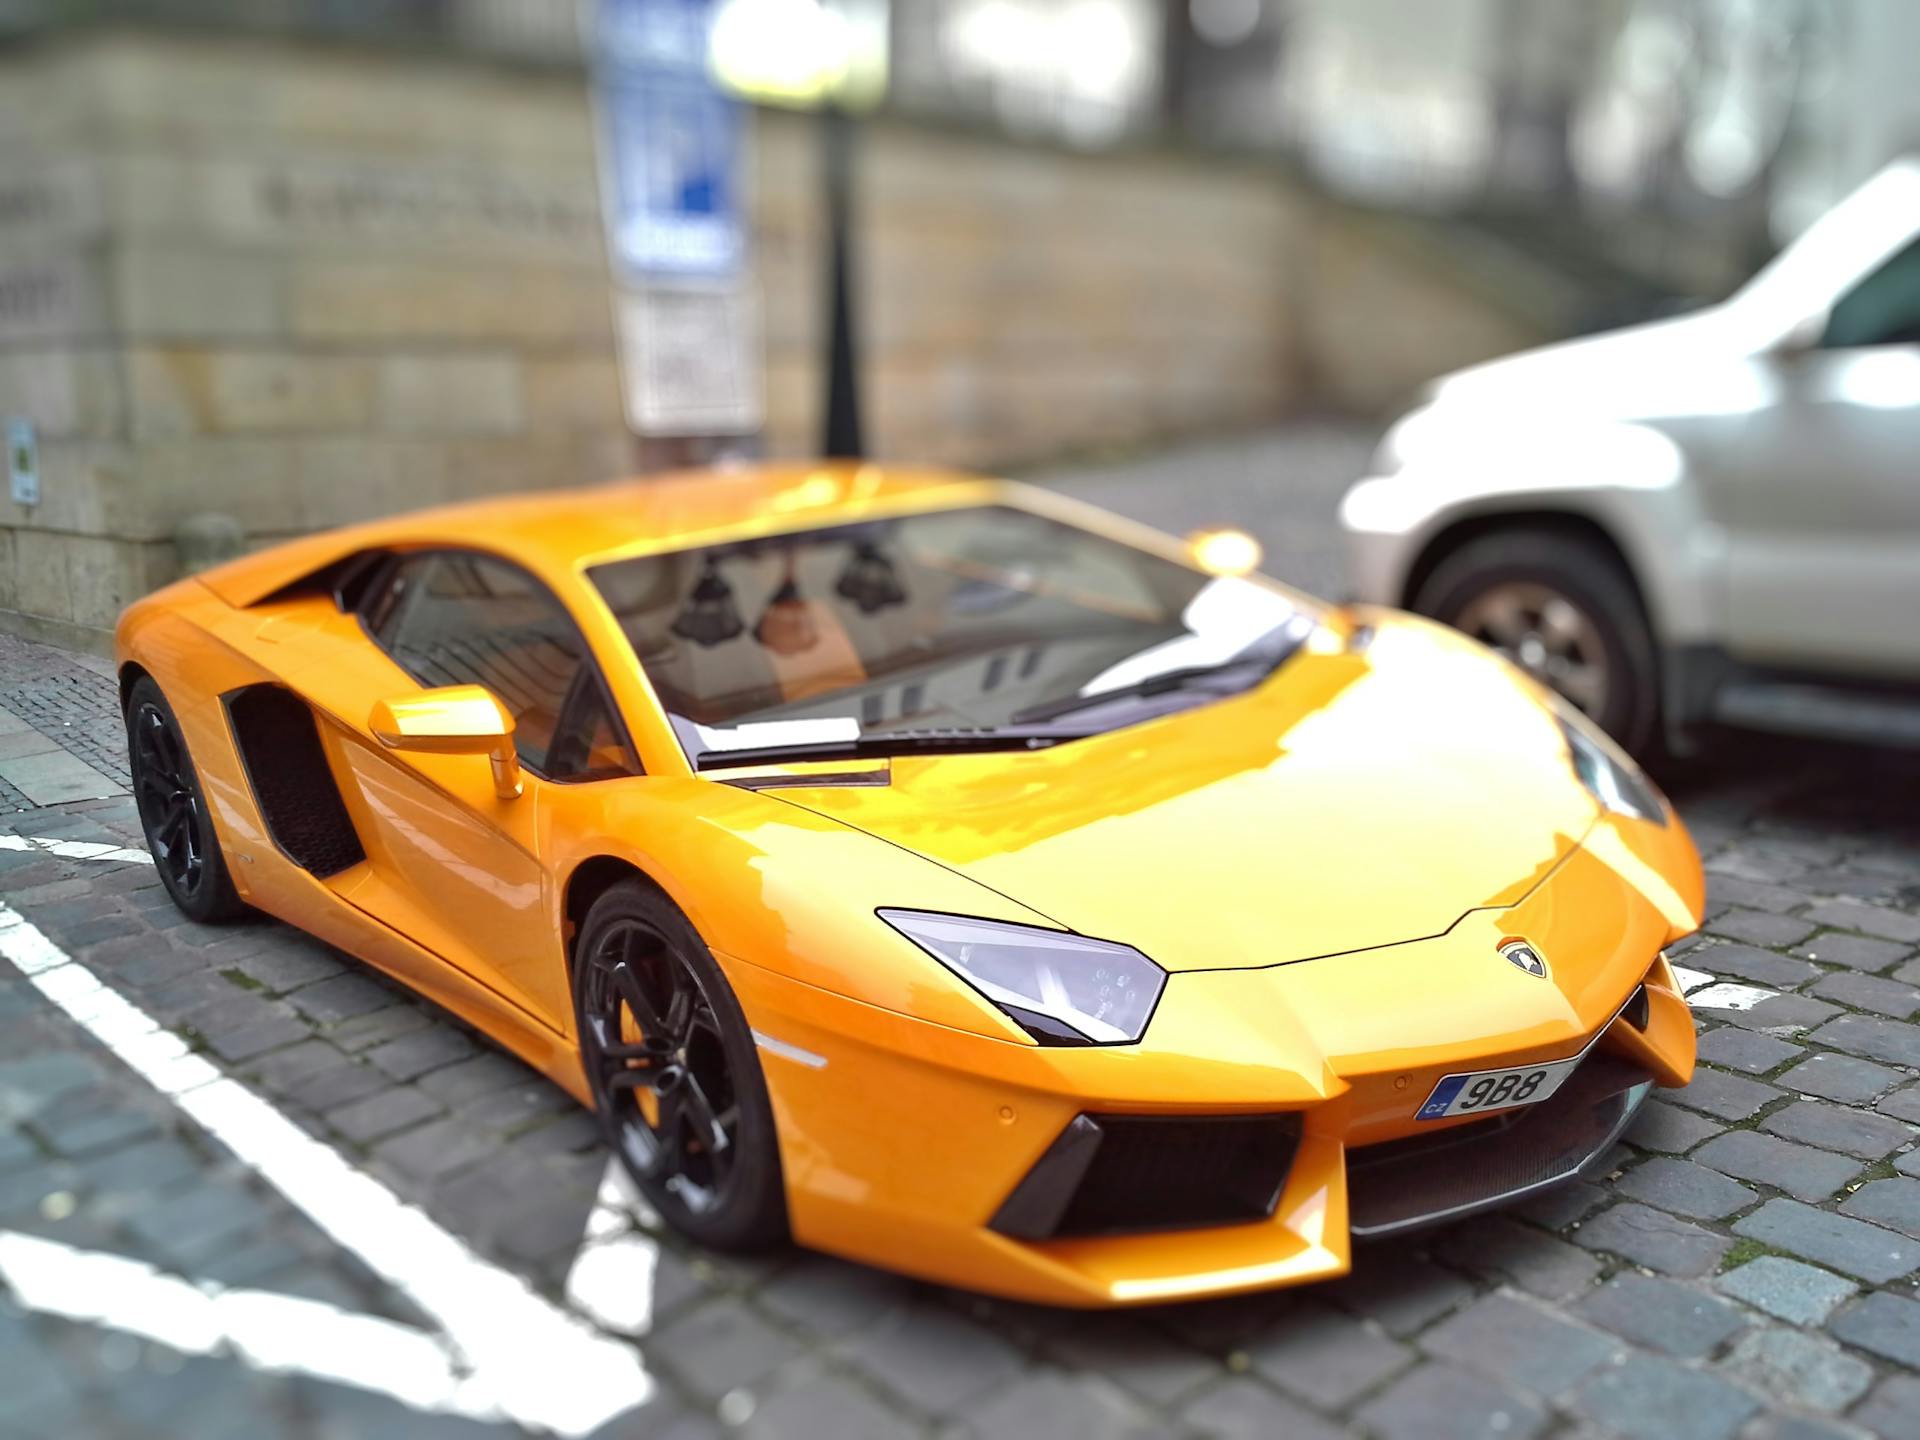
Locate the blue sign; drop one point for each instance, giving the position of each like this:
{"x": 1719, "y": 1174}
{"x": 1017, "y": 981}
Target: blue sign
{"x": 670, "y": 144}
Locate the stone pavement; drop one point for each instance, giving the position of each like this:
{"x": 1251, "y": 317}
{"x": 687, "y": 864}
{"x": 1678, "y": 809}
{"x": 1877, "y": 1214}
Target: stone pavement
{"x": 1744, "y": 1267}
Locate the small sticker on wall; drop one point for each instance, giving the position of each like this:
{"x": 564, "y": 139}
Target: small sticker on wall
{"x": 23, "y": 462}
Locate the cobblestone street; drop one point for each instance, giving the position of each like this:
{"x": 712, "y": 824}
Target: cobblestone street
{"x": 1743, "y": 1267}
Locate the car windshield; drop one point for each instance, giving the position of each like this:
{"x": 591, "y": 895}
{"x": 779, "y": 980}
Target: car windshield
{"x": 964, "y": 627}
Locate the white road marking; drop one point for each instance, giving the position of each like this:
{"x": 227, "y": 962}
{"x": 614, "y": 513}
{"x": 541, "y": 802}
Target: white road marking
{"x": 1705, "y": 991}
{"x": 611, "y": 1281}
{"x": 1728, "y": 996}
{"x": 270, "y": 1332}
{"x": 514, "y": 1355}
{"x": 1690, "y": 980}
{"x": 75, "y": 849}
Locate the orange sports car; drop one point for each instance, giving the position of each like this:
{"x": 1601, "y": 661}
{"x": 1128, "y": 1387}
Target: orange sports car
{"x": 950, "y": 876}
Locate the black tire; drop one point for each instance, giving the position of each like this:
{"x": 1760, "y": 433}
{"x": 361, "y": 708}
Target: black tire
{"x": 173, "y": 810}
{"x": 726, "y": 1196}
{"x": 1587, "y": 577}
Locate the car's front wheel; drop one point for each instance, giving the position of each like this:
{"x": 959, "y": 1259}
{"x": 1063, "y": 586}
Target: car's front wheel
{"x": 1564, "y": 610}
{"x": 674, "y": 1071}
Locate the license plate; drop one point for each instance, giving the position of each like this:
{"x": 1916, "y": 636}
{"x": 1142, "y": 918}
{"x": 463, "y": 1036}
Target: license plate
{"x": 1478, "y": 1091}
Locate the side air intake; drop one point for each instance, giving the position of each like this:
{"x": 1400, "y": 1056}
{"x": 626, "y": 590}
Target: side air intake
{"x": 280, "y": 747}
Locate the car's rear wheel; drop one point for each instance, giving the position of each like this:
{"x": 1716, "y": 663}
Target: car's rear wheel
{"x": 173, "y": 810}
{"x": 675, "y": 1075}
{"x": 1564, "y": 610}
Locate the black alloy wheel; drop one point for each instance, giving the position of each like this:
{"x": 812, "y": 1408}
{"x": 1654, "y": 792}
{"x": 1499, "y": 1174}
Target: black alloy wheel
{"x": 173, "y": 812}
{"x": 674, "y": 1072}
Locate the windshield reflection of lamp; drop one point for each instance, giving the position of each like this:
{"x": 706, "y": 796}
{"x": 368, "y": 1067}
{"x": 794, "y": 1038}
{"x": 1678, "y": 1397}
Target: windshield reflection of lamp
{"x": 709, "y": 616}
{"x": 787, "y": 626}
{"x": 870, "y": 580}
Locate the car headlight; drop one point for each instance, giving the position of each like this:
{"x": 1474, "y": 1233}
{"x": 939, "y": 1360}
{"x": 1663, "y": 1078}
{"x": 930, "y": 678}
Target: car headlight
{"x": 1060, "y": 988}
{"x": 1610, "y": 777}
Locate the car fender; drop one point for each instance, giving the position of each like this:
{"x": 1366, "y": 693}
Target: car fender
{"x": 782, "y": 888}
{"x": 1633, "y": 482}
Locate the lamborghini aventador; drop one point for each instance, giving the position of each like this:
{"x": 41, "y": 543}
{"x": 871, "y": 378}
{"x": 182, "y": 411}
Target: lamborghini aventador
{"x": 941, "y": 873}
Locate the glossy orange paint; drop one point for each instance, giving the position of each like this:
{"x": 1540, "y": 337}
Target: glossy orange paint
{"x": 1326, "y": 865}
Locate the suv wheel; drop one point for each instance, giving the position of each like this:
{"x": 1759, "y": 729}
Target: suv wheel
{"x": 1565, "y": 611}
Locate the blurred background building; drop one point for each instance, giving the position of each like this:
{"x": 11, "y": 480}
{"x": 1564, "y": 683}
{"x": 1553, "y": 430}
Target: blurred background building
{"x": 298, "y": 262}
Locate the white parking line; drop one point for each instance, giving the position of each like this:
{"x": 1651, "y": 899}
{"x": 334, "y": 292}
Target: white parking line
{"x": 197, "y": 1317}
{"x": 1709, "y": 992}
{"x": 1728, "y": 996}
{"x": 511, "y": 1353}
{"x": 75, "y": 849}
{"x": 611, "y": 1281}
{"x": 1690, "y": 980}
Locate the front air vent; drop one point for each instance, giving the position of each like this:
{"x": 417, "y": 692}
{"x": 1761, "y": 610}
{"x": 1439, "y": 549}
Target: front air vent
{"x": 1121, "y": 1174}
{"x": 292, "y": 783}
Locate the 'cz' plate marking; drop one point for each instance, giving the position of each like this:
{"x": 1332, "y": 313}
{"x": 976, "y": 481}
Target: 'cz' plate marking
{"x": 1479, "y": 1091}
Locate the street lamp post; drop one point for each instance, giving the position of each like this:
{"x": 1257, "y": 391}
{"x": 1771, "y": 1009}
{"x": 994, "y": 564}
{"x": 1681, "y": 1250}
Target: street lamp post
{"x": 842, "y": 437}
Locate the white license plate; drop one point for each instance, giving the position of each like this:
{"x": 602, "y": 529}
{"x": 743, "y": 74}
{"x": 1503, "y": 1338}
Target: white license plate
{"x": 1478, "y": 1091}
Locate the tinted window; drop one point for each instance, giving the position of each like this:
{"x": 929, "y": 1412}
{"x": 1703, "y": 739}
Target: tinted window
{"x": 451, "y": 618}
{"x": 1883, "y": 309}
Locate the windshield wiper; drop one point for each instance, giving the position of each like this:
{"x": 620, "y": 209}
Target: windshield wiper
{"x": 1264, "y": 655}
{"x": 885, "y": 743}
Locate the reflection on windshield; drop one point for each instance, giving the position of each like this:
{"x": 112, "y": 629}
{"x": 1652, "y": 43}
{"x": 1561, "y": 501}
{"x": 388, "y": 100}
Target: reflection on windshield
{"x": 958, "y": 620}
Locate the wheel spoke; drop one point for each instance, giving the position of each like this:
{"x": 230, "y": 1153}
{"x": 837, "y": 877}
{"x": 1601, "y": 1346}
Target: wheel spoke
{"x": 659, "y": 1080}
{"x": 169, "y": 832}
{"x": 160, "y": 748}
{"x": 699, "y": 1113}
{"x": 1562, "y": 626}
{"x": 644, "y": 1151}
{"x": 1502, "y": 619}
{"x": 626, "y": 984}
{"x": 170, "y": 751}
{"x": 608, "y": 1046}
{"x": 680, "y": 1009}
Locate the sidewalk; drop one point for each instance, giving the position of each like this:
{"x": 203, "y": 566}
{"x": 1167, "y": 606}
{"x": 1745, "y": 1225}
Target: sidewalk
{"x": 60, "y": 738}
{"x": 193, "y": 1119}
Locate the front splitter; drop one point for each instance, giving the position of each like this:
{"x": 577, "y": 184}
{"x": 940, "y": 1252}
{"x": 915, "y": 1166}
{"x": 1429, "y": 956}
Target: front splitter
{"x": 1426, "y": 1180}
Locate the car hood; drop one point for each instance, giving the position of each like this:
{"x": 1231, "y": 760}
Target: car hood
{"x": 1381, "y": 784}
{"x": 1685, "y": 365}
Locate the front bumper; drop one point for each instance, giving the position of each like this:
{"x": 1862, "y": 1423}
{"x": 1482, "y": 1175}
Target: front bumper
{"x": 906, "y": 1141}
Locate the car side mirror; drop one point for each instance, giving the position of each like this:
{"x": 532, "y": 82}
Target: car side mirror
{"x": 453, "y": 720}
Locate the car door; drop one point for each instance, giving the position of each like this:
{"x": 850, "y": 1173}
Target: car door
{"x": 455, "y": 866}
{"x": 1824, "y": 559}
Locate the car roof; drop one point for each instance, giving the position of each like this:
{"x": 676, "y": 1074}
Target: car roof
{"x": 553, "y": 533}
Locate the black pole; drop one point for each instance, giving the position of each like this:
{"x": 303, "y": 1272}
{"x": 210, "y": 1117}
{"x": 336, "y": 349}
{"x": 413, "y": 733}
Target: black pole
{"x": 843, "y": 440}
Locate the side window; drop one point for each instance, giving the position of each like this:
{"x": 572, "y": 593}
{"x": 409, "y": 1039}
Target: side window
{"x": 1883, "y": 309}
{"x": 452, "y": 618}
{"x": 589, "y": 745}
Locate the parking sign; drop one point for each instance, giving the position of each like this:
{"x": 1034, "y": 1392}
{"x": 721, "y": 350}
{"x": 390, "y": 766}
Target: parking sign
{"x": 670, "y": 145}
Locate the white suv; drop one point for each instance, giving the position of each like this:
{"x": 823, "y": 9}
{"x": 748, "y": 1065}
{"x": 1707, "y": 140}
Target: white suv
{"x": 1715, "y": 517}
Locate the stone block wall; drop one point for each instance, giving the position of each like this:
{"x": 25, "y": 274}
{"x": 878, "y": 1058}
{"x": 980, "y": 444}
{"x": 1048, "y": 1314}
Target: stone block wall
{"x": 302, "y": 285}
